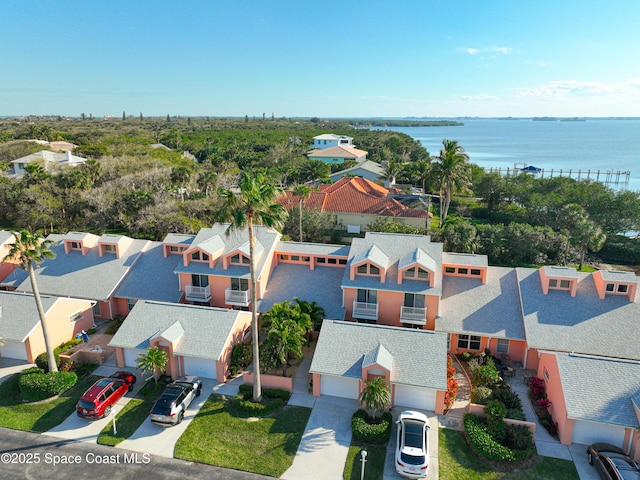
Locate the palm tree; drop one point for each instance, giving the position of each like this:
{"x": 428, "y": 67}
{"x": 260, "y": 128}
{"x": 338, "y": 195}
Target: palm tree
{"x": 375, "y": 396}
{"x": 303, "y": 192}
{"x": 254, "y": 206}
{"x": 390, "y": 171}
{"x": 584, "y": 233}
{"x": 312, "y": 170}
{"x": 154, "y": 360}
{"x": 286, "y": 336}
{"x": 453, "y": 174}
{"x": 31, "y": 249}
{"x": 316, "y": 312}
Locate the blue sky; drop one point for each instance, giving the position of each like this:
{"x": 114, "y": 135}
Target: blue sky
{"x": 328, "y": 59}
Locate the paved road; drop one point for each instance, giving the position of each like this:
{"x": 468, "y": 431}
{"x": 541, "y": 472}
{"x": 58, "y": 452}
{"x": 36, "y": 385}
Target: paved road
{"x": 32, "y": 456}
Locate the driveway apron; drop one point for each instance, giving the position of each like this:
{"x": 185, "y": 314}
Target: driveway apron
{"x": 325, "y": 443}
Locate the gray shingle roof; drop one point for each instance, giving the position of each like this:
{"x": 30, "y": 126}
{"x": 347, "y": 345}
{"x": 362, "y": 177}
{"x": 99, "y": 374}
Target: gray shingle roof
{"x": 321, "y": 285}
{"x": 618, "y": 276}
{"x": 178, "y": 238}
{"x": 6, "y": 237}
{"x": 313, "y": 249}
{"x": 419, "y": 257}
{"x": 206, "y": 329}
{"x": 468, "y": 306}
{"x": 599, "y": 389}
{"x": 152, "y": 277}
{"x": 380, "y": 356}
{"x": 468, "y": 259}
{"x": 419, "y": 356}
{"x": 394, "y": 247}
{"x": 19, "y": 314}
{"x": 83, "y": 276}
{"x": 584, "y": 323}
{"x": 554, "y": 271}
{"x": 372, "y": 254}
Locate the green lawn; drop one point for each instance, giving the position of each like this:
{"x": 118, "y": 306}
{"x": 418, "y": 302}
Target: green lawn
{"x": 458, "y": 462}
{"x": 221, "y": 435}
{"x": 374, "y": 467}
{"x": 132, "y": 414}
{"x": 37, "y": 417}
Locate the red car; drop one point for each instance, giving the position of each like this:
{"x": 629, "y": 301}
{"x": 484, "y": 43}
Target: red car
{"x": 98, "y": 400}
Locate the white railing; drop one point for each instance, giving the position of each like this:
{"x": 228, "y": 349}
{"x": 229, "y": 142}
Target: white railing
{"x": 198, "y": 293}
{"x": 414, "y": 315}
{"x": 236, "y": 297}
{"x": 365, "y": 310}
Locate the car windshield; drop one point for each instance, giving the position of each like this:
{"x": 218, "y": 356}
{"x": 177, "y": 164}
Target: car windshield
{"x": 413, "y": 435}
{"x": 85, "y": 404}
{"x": 163, "y": 406}
{"x": 627, "y": 470}
{"x": 412, "y": 459}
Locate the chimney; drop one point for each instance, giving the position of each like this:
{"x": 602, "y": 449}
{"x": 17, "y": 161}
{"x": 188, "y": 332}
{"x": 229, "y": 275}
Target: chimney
{"x": 69, "y": 157}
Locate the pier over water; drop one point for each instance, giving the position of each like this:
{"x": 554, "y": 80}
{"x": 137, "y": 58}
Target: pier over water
{"x": 607, "y": 177}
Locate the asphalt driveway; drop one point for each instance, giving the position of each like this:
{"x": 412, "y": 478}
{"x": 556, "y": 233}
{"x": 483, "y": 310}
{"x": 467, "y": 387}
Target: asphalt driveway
{"x": 161, "y": 441}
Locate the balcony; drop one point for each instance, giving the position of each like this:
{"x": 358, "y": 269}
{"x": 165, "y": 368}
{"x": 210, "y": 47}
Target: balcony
{"x": 197, "y": 294}
{"x": 413, "y": 315}
{"x": 237, "y": 297}
{"x": 367, "y": 311}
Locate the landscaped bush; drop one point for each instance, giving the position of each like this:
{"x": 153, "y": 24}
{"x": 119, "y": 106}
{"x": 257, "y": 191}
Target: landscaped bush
{"x": 241, "y": 357}
{"x": 115, "y": 324}
{"x": 43, "y": 363}
{"x": 482, "y": 442}
{"x": 494, "y": 415}
{"x": 63, "y": 347}
{"x": 246, "y": 391}
{"x": 485, "y": 375}
{"x": 515, "y": 414}
{"x": 36, "y": 385}
{"x": 518, "y": 437}
{"x": 537, "y": 388}
{"x": 371, "y": 432}
{"x": 538, "y": 395}
{"x": 480, "y": 395}
{"x": 510, "y": 399}
{"x": 452, "y": 385}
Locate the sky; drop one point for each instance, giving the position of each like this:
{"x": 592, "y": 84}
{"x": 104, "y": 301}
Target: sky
{"x": 330, "y": 59}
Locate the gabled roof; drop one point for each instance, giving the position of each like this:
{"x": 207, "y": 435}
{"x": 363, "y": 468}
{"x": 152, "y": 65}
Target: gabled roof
{"x": 467, "y": 259}
{"x": 395, "y": 247}
{"x": 367, "y": 165}
{"x": 417, "y": 257}
{"x": 618, "y": 276}
{"x": 205, "y": 330}
{"x": 555, "y": 271}
{"x": 353, "y": 195}
{"x": 51, "y": 157}
{"x": 372, "y": 254}
{"x": 338, "y": 151}
{"x": 6, "y": 237}
{"x": 419, "y": 356}
{"x": 378, "y": 356}
{"x": 469, "y": 306}
{"x": 583, "y": 324}
{"x": 178, "y": 239}
{"x": 19, "y": 315}
{"x": 331, "y": 136}
{"x": 598, "y": 389}
{"x": 212, "y": 245}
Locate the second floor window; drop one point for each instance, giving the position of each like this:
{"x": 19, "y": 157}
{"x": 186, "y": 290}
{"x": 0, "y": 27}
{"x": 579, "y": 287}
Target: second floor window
{"x": 199, "y": 280}
{"x": 367, "y": 296}
{"x": 368, "y": 269}
{"x": 239, "y": 259}
{"x": 240, "y": 284}
{"x": 414, "y": 300}
{"x": 199, "y": 256}
{"x": 416, "y": 272}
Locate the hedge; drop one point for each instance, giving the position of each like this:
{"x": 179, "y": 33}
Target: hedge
{"x": 36, "y": 385}
{"x": 43, "y": 363}
{"x": 372, "y": 433}
{"x": 246, "y": 391}
{"x": 482, "y": 442}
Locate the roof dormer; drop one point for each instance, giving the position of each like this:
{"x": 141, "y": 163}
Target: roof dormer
{"x": 113, "y": 244}
{"x": 206, "y": 252}
{"x": 378, "y": 362}
{"x": 417, "y": 265}
{"x": 465, "y": 265}
{"x": 176, "y": 243}
{"x": 559, "y": 278}
{"x": 615, "y": 282}
{"x": 241, "y": 256}
{"x": 371, "y": 262}
{"x": 80, "y": 241}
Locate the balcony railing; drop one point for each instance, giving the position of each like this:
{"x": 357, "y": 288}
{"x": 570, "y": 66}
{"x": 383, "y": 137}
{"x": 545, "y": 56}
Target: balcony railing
{"x": 365, "y": 310}
{"x": 237, "y": 297}
{"x": 198, "y": 294}
{"x": 413, "y": 315}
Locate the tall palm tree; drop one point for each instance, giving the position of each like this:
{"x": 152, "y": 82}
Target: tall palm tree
{"x": 453, "y": 174}
{"x": 153, "y": 360}
{"x": 316, "y": 312}
{"x": 312, "y": 170}
{"x": 391, "y": 170}
{"x": 255, "y": 205}
{"x": 31, "y": 249}
{"x": 375, "y": 396}
{"x": 303, "y": 192}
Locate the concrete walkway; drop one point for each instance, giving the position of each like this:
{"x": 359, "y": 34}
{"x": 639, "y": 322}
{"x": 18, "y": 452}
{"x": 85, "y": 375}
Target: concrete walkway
{"x": 9, "y": 366}
{"x": 301, "y": 396}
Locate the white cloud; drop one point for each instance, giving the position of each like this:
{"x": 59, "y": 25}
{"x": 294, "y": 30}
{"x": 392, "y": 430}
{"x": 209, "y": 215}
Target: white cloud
{"x": 488, "y": 50}
{"x": 565, "y": 89}
{"x": 482, "y": 97}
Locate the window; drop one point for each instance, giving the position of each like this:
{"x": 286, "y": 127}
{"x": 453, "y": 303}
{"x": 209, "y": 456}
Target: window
{"x": 463, "y": 271}
{"x": 306, "y": 259}
{"x": 74, "y": 317}
{"x": 416, "y": 272}
{"x": 195, "y": 256}
{"x": 342, "y": 261}
{"x": 449, "y": 270}
{"x": 367, "y": 296}
{"x": 199, "y": 280}
{"x": 110, "y": 249}
{"x": 240, "y": 284}
{"x": 546, "y": 374}
{"x": 623, "y": 288}
{"x": 610, "y": 287}
{"x": 469, "y": 342}
{"x": 414, "y": 300}
{"x": 553, "y": 282}
{"x": 321, "y": 260}
{"x": 173, "y": 248}
{"x": 131, "y": 302}
{"x": 373, "y": 270}
{"x": 205, "y": 257}
{"x": 284, "y": 257}
{"x": 96, "y": 309}
{"x": 295, "y": 258}
{"x": 564, "y": 283}
{"x": 503, "y": 345}
{"x": 448, "y": 342}
{"x": 362, "y": 268}
{"x": 76, "y": 245}
{"x": 476, "y": 272}
{"x": 368, "y": 269}
{"x": 331, "y": 261}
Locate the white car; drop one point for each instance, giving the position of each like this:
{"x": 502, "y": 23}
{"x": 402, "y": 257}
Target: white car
{"x": 412, "y": 449}
{"x": 169, "y": 409}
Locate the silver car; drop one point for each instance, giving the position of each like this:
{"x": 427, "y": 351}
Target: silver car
{"x": 169, "y": 409}
{"x": 412, "y": 448}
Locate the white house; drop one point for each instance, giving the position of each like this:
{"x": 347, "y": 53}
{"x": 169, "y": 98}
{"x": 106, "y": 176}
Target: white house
{"x": 328, "y": 140}
{"x": 52, "y": 161}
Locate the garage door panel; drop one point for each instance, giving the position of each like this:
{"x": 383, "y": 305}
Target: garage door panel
{"x": 131, "y": 356}
{"x": 587, "y": 433}
{"x": 339, "y": 386}
{"x": 415, "y": 397}
{"x": 13, "y": 349}
{"x": 201, "y": 367}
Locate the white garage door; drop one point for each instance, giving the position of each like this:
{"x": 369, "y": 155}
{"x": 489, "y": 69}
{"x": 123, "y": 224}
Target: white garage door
{"x": 339, "y": 386}
{"x": 200, "y": 366}
{"x": 587, "y": 433}
{"x": 415, "y": 397}
{"x": 13, "y": 349}
{"x": 131, "y": 356}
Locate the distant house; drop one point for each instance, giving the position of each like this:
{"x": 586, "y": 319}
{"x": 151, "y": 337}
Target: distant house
{"x": 52, "y": 161}
{"x": 61, "y": 146}
{"x": 337, "y": 154}
{"x": 355, "y": 202}
{"x": 329, "y": 140}
{"x": 6, "y": 241}
{"x": 20, "y": 326}
{"x": 368, "y": 169}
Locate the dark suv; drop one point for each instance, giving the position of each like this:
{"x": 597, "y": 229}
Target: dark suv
{"x": 170, "y": 407}
{"x": 612, "y": 462}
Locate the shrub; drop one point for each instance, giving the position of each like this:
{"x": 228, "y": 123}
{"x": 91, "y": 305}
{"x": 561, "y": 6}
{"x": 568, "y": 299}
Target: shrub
{"x": 515, "y": 414}
{"x": 241, "y": 356}
{"x": 480, "y": 395}
{"x": 482, "y": 442}
{"x": 537, "y": 388}
{"x": 84, "y": 369}
{"x": 264, "y": 408}
{"x": 508, "y": 398}
{"x": 35, "y": 385}
{"x": 115, "y": 324}
{"x": 246, "y": 392}
{"x": 485, "y": 375}
{"x": 43, "y": 363}
{"x": 370, "y": 432}
{"x": 63, "y": 347}
{"x": 543, "y": 403}
{"x": 518, "y": 437}
{"x": 495, "y": 412}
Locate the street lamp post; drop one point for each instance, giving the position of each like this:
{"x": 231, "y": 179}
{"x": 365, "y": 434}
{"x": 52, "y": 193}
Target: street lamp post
{"x": 363, "y": 459}
{"x": 113, "y": 418}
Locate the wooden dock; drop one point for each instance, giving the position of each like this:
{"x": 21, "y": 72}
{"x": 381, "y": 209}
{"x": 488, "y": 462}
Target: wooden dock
{"x": 608, "y": 177}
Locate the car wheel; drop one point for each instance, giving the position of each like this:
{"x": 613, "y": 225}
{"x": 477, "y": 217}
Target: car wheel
{"x": 107, "y": 411}
{"x": 199, "y": 391}
{"x": 590, "y": 458}
{"x": 180, "y": 417}
{"x": 130, "y": 387}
